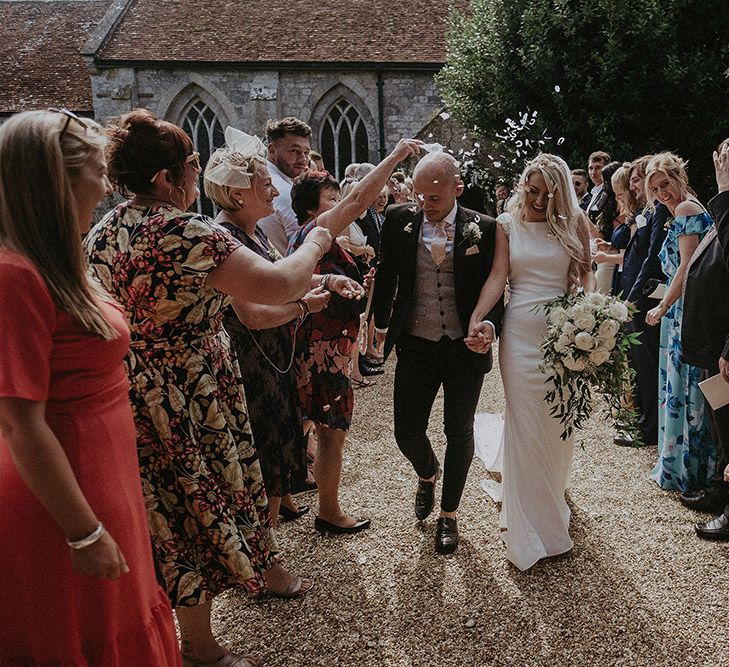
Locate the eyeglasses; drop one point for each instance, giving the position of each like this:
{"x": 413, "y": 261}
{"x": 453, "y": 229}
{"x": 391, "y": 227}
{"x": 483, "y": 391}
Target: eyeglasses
{"x": 193, "y": 159}
{"x": 70, "y": 115}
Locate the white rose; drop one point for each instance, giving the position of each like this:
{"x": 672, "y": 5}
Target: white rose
{"x": 569, "y": 329}
{"x": 606, "y": 343}
{"x": 558, "y": 316}
{"x": 584, "y": 321}
{"x": 584, "y": 341}
{"x": 599, "y": 356}
{"x": 574, "y": 364}
{"x": 596, "y": 299}
{"x": 618, "y": 311}
{"x": 608, "y": 328}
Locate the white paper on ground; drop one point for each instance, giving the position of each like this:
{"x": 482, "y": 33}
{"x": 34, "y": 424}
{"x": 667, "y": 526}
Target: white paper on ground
{"x": 716, "y": 391}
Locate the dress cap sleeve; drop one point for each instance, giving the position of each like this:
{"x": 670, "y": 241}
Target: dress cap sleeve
{"x": 692, "y": 224}
{"x": 27, "y": 320}
{"x": 505, "y": 221}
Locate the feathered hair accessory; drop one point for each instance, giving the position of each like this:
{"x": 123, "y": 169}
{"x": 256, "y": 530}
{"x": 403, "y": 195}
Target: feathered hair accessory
{"x": 235, "y": 165}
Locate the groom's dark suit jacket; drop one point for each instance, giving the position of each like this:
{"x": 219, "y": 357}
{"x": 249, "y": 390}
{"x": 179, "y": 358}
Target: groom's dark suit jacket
{"x": 705, "y": 322}
{"x": 395, "y": 278}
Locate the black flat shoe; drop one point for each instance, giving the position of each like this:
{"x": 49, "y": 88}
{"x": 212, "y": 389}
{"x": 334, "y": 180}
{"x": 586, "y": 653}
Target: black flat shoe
{"x": 446, "y": 535}
{"x": 367, "y": 370}
{"x": 712, "y": 500}
{"x": 287, "y": 514}
{"x": 716, "y": 529}
{"x": 326, "y": 527}
{"x": 425, "y": 498}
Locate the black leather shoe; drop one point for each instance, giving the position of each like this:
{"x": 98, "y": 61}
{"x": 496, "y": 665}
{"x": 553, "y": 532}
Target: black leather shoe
{"x": 425, "y": 497}
{"x": 302, "y": 487}
{"x": 716, "y": 529}
{"x": 326, "y": 527}
{"x": 713, "y": 500}
{"x": 446, "y": 535}
{"x": 288, "y": 514}
{"x": 368, "y": 370}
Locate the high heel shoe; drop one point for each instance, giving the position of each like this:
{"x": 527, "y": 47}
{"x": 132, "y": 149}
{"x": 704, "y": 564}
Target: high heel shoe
{"x": 287, "y": 514}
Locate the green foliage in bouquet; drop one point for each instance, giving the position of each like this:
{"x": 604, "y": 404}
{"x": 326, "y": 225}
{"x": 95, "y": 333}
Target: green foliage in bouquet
{"x": 585, "y": 350}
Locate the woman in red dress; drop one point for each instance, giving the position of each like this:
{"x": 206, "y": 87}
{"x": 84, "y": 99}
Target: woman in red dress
{"x": 78, "y": 580}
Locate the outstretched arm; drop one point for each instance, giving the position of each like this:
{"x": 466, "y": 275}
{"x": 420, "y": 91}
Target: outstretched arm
{"x": 365, "y": 191}
{"x": 481, "y": 334}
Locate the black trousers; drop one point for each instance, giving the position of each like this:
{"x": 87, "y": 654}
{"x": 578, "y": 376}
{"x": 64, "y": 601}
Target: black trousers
{"x": 644, "y": 360}
{"x": 422, "y": 368}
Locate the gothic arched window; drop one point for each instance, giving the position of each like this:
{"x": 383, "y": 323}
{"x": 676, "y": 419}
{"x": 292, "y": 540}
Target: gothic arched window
{"x": 206, "y": 132}
{"x": 343, "y": 138}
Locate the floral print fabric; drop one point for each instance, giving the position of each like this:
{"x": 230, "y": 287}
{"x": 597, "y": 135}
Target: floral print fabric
{"x": 686, "y": 452}
{"x": 324, "y": 347}
{"x": 206, "y": 504}
{"x": 273, "y": 399}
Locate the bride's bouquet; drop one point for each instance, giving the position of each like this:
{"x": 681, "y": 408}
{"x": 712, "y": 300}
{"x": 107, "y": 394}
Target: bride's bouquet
{"x": 586, "y": 349}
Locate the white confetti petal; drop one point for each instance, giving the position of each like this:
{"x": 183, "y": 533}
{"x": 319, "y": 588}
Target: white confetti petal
{"x": 445, "y": 115}
{"x": 557, "y": 89}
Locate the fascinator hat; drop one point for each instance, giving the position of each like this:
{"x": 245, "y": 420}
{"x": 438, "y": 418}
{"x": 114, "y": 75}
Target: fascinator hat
{"x": 235, "y": 165}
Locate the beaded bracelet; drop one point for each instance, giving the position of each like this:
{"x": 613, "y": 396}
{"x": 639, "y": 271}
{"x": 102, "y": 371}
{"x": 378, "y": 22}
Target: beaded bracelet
{"x": 90, "y": 539}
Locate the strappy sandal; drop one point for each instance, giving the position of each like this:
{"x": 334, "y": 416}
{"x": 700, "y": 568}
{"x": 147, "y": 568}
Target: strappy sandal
{"x": 298, "y": 587}
{"x": 228, "y": 660}
{"x": 361, "y": 384}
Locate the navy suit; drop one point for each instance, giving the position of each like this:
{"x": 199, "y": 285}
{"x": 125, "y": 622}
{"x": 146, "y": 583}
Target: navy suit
{"x": 640, "y": 264}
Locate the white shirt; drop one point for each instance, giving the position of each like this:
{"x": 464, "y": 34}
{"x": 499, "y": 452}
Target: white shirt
{"x": 594, "y": 195}
{"x": 427, "y": 230}
{"x": 282, "y": 224}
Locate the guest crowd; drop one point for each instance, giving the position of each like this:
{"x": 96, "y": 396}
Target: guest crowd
{"x": 170, "y": 382}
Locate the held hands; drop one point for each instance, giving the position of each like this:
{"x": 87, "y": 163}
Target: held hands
{"x": 721, "y": 166}
{"x": 317, "y": 299}
{"x": 321, "y": 237}
{"x": 346, "y": 287}
{"x": 102, "y": 559}
{"x": 480, "y": 337}
{"x": 654, "y": 315}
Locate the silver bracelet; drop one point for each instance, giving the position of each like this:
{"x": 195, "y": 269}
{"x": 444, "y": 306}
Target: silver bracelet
{"x": 321, "y": 247}
{"x": 89, "y": 539}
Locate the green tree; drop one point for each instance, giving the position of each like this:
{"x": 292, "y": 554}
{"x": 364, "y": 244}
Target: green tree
{"x": 627, "y": 77}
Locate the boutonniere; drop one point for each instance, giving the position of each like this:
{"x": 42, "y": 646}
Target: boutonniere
{"x": 472, "y": 232}
{"x": 408, "y": 228}
{"x": 413, "y": 209}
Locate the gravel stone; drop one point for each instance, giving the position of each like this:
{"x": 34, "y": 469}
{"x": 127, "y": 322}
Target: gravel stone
{"x": 638, "y": 589}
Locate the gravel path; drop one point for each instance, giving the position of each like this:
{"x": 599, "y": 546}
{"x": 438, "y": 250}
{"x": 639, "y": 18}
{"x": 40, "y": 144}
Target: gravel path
{"x": 638, "y": 589}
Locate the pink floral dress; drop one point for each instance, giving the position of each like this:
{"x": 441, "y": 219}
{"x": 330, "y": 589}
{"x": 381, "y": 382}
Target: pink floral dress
{"x": 206, "y": 504}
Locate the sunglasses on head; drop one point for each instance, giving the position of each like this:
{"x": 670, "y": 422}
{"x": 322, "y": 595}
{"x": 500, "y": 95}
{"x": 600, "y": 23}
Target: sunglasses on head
{"x": 193, "y": 159}
{"x": 70, "y": 115}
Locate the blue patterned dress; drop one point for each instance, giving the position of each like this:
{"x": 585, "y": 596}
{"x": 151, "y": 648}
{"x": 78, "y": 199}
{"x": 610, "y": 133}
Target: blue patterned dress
{"x": 686, "y": 452}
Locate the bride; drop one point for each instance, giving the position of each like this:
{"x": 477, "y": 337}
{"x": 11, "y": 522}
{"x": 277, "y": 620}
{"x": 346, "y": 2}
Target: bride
{"x": 549, "y": 254}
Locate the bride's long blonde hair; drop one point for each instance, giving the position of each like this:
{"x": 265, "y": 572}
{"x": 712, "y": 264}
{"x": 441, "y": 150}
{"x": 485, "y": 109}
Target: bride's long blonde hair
{"x": 565, "y": 219}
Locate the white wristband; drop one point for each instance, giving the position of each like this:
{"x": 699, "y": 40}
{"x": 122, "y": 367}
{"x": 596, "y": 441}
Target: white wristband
{"x": 89, "y": 539}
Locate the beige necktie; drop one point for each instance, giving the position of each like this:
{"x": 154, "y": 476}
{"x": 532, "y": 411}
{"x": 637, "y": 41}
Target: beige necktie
{"x": 438, "y": 243}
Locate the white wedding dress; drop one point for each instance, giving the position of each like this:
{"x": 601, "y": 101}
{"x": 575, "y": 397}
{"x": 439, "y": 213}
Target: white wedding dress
{"x": 533, "y": 459}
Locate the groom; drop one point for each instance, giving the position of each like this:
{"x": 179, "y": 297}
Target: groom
{"x": 434, "y": 259}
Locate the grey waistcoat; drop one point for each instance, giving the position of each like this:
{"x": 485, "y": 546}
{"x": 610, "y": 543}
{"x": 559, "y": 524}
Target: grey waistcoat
{"x": 434, "y": 312}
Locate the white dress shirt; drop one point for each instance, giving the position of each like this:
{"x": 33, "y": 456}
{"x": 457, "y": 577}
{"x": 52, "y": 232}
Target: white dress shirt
{"x": 594, "y": 196}
{"x": 427, "y": 230}
{"x": 282, "y": 224}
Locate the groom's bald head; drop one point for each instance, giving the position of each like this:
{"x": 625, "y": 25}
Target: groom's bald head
{"x": 437, "y": 183}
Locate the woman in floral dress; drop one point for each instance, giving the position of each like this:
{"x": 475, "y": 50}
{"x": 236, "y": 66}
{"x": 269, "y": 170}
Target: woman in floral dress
{"x": 324, "y": 346}
{"x": 175, "y": 273}
{"x": 686, "y": 451}
{"x": 238, "y": 181}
